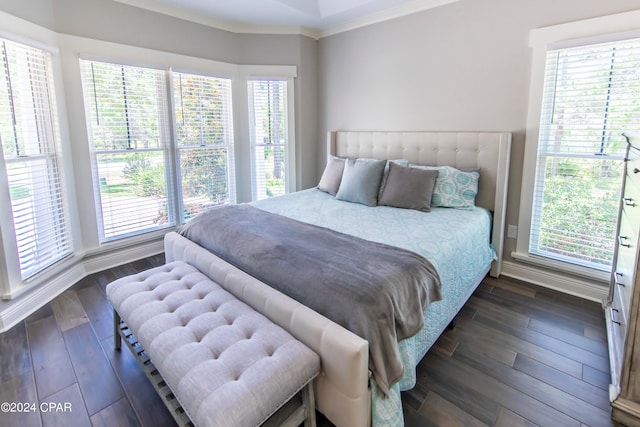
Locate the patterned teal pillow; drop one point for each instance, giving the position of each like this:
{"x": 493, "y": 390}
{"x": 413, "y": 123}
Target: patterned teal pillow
{"x": 454, "y": 188}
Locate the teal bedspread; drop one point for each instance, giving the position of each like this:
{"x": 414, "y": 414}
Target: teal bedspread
{"x": 456, "y": 241}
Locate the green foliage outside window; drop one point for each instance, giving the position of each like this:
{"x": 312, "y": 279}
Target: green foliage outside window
{"x": 148, "y": 179}
{"x": 580, "y": 208}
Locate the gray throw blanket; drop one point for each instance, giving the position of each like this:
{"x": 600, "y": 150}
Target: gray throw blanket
{"x": 377, "y": 291}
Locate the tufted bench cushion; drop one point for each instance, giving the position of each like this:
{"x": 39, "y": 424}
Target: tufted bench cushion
{"x": 226, "y": 364}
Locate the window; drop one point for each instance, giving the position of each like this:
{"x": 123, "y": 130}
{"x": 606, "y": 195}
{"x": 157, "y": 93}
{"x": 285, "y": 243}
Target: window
{"x": 591, "y": 95}
{"x": 129, "y": 137}
{"x": 30, "y": 138}
{"x": 204, "y": 136}
{"x": 133, "y": 150}
{"x": 270, "y": 145}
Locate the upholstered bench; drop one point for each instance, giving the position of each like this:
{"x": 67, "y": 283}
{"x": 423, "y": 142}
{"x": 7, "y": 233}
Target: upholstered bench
{"x": 226, "y": 364}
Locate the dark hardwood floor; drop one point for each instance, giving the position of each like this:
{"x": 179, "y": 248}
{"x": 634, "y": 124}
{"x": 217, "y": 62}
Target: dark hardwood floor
{"x": 520, "y": 355}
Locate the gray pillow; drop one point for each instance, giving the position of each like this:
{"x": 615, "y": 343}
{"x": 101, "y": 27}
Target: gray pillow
{"x": 386, "y": 173}
{"x": 332, "y": 176}
{"x": 409, "y": 188}
{"x": 361, "y": 181}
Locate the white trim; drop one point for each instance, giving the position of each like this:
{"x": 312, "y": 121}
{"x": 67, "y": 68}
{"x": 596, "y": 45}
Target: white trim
{"x": 13, "y": 312}
{"x": 582, "y": 288}
{"x": 291, "y": 177}
{"x": 49, "y": 274}
{"x": 239, "y": 28}
{"x": 606, "y": 28}
{"x": 267, "y": 72}
{"x": 9, "y": 263}
{"x": 123, "y": 255}
{"x": 103, "y": 51}
{"x": 540, "y": 39}
{"x": 17, "y": 311}
{"x": 20, "y": 31}
{"x": 601, "y": 276}
{"x": 220, "y": 24}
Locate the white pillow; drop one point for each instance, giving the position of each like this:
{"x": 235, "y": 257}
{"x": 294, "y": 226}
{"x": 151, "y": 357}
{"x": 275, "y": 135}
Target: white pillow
{"x": 332, "y": 175}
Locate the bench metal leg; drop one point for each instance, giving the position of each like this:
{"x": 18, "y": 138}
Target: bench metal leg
{"x": 117, "y": 340}
{"x": 309, "y": 403}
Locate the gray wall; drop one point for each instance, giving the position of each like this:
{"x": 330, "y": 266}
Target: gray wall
{"x": 111, "y": 21}
{"x": 460, "y": 67}
{"x": 37, "y": 11}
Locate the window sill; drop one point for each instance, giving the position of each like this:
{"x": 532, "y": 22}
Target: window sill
{"x": 563, "y": 267}
{"x": 128, "y": 242}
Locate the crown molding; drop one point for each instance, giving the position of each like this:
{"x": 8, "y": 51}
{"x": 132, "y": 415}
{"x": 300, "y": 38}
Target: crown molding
{"x": 241, "y": 28}
{"x": 220, "y": 24}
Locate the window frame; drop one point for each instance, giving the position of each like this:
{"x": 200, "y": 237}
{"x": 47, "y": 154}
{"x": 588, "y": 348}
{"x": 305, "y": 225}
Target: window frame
{"x": 13, "y": 280}
{"x": 170, "y": 147}
{"x": 239, "y": 74}
{"x": 580, "y": 33}
{"x": 229, "y": 138}
{"x": 164, "y": 149}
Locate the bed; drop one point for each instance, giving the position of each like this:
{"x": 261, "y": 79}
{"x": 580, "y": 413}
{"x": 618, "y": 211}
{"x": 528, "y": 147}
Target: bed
{"x": 462, "y": 256}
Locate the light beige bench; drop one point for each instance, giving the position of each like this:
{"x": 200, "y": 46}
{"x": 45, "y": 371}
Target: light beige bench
{"x": 225, "y": 363}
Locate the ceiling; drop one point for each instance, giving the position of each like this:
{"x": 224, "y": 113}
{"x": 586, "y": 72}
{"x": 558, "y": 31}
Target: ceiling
{"x": 316, "y": 18}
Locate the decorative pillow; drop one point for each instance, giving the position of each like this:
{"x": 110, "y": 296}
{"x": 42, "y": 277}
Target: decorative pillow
{"x": 332, "y": 176}
{"x": 385, "y": 174}
{"x": 409, "y": 188}
{"x": 361, "y": 181}
{"x": 454, "y": 188}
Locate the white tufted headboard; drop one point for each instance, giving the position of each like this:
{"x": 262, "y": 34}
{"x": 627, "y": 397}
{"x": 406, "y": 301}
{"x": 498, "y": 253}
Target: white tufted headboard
{"x": 489, "y": 151}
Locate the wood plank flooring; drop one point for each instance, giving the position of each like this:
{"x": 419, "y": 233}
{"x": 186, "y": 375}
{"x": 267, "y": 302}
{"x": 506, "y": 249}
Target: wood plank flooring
{"x": 519, "y": 355}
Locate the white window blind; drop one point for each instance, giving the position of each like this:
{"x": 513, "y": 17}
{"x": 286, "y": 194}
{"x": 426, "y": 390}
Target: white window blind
{"x": 591, "y": 95}
{"x": 204, "y": 137}
{"x": 127, "y": 118}
{"x": 29, "y": 136}
{"x": 268, "y": 123}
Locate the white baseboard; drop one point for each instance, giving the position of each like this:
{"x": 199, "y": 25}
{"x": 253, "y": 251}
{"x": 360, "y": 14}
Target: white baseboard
{"x": 116, "y": 257}
{"x": 14, "y": 311}
{"x": 579, "y": 287}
